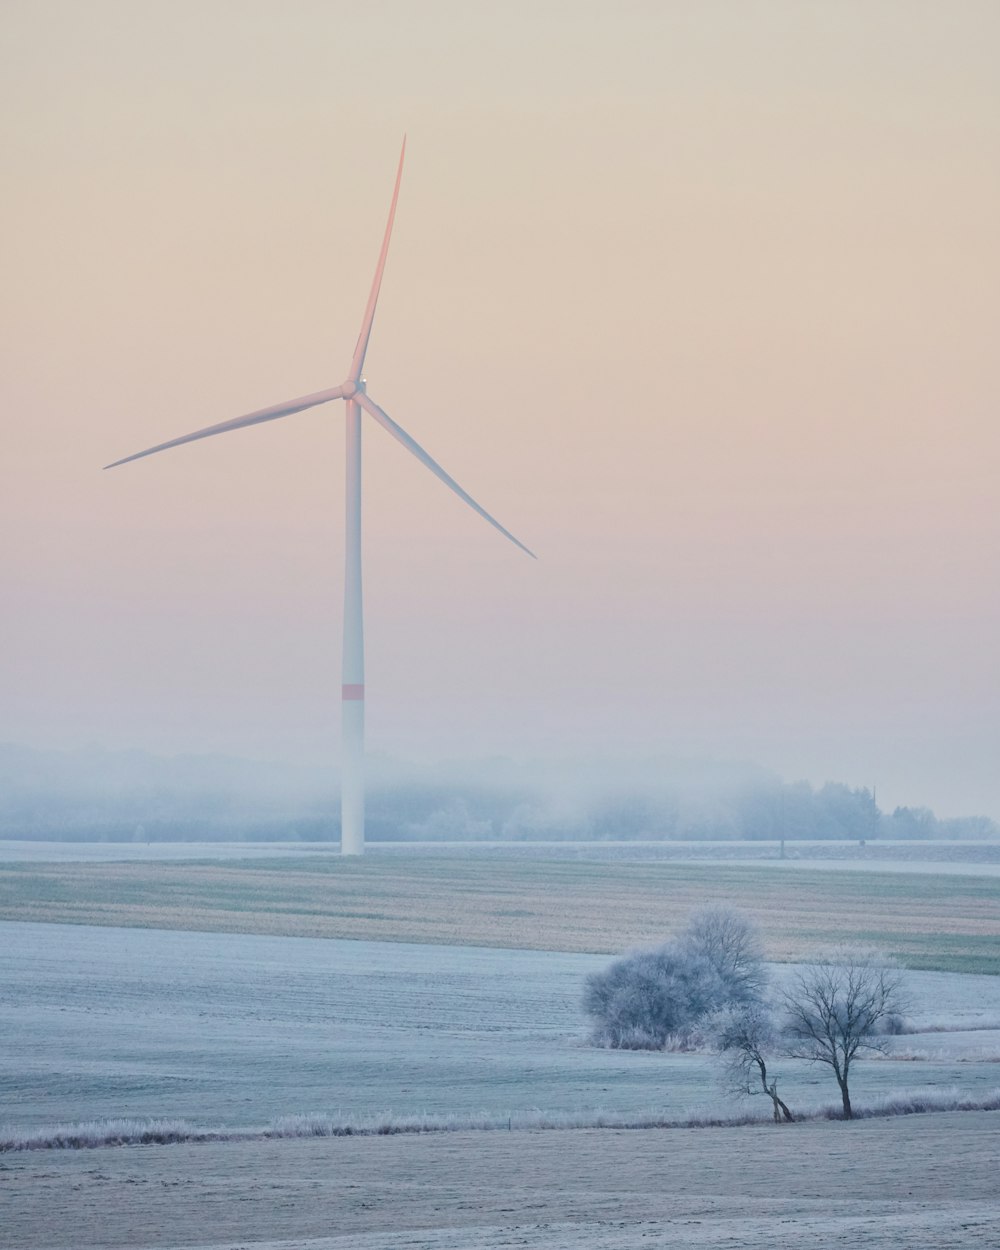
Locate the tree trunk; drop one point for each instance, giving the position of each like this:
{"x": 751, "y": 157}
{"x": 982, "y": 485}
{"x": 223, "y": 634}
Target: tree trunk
{"x": 780, "y": 1110}
{"x": 846, "y": 1097}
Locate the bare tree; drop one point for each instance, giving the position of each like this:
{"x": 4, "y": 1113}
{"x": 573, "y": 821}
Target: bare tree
{"x": 744, "y": 1036}
{"x": 839, "y": 1005}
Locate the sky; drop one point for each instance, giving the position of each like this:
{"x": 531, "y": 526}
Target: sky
{"x": 699, "y": 299}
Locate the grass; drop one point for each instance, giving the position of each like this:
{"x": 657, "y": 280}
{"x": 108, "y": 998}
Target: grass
{"x": 948, "y": 923}
{"x": 125, "y": 1132}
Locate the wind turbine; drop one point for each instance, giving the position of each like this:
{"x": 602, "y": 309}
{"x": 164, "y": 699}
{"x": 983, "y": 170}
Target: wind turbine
{"x": 354, "y": 394}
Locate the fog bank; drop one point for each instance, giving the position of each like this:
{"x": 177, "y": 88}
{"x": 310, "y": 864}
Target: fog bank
{"x": 95, "y": 794}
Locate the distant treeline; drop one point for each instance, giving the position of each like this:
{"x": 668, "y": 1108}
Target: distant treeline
{"x": 768, "y": 811}
{"x": 131, "y": 796}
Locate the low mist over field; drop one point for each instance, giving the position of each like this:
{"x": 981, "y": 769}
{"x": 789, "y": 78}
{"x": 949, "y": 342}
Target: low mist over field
{"x": 123, "y": 796}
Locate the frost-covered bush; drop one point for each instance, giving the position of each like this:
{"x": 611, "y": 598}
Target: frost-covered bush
{"x": 730, "y": 942}
{"x": 647, "y": 997}
{"x": 642, "y": 999}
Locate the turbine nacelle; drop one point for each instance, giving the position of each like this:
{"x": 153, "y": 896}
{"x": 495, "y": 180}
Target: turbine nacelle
{"x": 351, "y": 387}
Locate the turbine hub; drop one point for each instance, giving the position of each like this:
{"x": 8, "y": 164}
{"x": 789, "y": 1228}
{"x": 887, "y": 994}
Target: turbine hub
{"x": 352, "y": 388}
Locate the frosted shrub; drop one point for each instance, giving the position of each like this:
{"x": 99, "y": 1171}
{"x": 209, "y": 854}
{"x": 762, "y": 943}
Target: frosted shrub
{"x": 651, "y": 997}
{"x": 731, "y": 944}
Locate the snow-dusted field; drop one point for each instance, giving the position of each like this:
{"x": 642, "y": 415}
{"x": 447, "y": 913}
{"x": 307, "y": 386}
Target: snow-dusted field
{"x": 235, "y": 1030}
{"x": 231, "y": 1031}
{"x": 913, "y": 1183}
{"x": 978, "y": 858}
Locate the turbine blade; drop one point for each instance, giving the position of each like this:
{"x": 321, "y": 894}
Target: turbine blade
{"x": 237, "y": 423}
{"x": 358, "y": 361}
{"x": 397, "y": 431}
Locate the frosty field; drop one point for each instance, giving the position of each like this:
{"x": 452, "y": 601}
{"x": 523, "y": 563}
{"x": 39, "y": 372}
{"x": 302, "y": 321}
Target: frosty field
{"x": 235, "y": 988}
{"x": 917, "y": 1183}
{"x": 974, "y": 858}
{"x": 235, "y": 1030}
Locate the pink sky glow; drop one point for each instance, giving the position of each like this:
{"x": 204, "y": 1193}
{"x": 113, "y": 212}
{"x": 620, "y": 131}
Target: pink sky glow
{"x": 699, "y": 299}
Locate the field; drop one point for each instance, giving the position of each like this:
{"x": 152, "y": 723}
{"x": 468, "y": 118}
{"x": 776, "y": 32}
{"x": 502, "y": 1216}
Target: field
{"x": 236, "y": 1030}
{"x": 175, "y": 993}
{"x": 945, "y": 922}
{"x": 902, "y": 1184}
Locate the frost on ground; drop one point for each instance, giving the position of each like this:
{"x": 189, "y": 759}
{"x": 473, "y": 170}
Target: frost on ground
{"x": 233, "y": 1032}
{"x": 980, "y": 857}
{"x": 917, "y": 1181}
{"x": 95, "y": 1134}
{"x": 226, "y": 1033}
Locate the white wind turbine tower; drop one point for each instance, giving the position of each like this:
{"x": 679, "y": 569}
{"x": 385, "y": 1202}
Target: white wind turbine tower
{"x": 354, "y": 394}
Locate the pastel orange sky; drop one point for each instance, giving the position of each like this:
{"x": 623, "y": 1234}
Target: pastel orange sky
{"x": 699, "y": 299}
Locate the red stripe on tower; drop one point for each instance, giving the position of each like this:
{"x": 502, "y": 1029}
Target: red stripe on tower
{"x": 352, "y": 693}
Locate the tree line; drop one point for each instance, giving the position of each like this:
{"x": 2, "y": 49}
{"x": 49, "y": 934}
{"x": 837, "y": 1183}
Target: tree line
{"x": 120, "y": 796}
